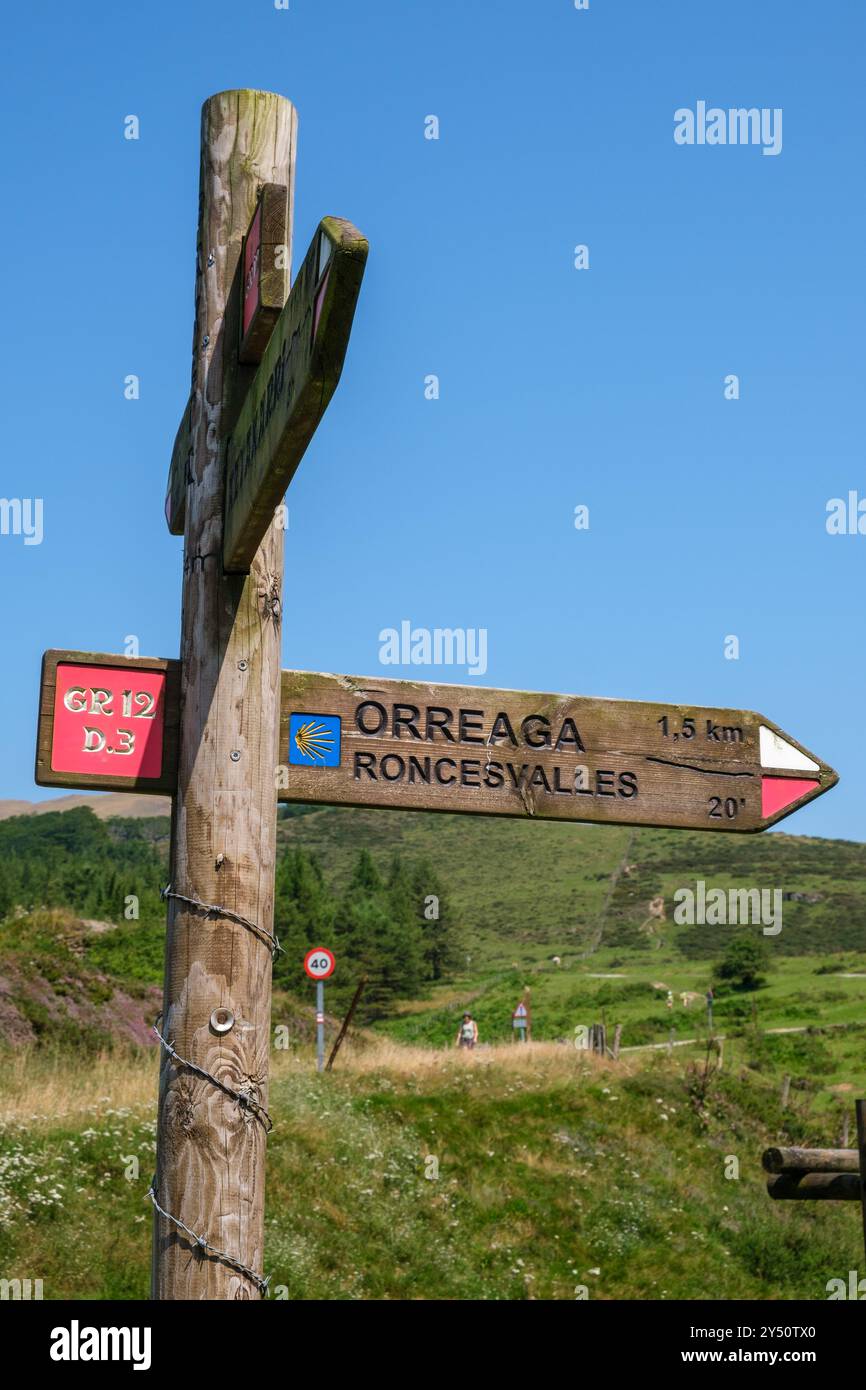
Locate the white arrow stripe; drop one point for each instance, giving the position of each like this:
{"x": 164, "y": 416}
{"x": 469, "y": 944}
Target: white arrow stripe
{"x": 777, "y": 752}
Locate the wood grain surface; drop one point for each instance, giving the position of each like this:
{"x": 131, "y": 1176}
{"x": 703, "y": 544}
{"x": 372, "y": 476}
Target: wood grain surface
{"x": 563, "y": 757}
{"x": 211, "y": 1151}
{"x": 272, "y": 280}
{"x": 295, "y": 382}
{"x": 418, "y": 746}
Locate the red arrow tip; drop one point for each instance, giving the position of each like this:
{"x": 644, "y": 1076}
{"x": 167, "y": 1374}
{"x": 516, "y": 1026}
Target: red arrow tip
{"x": 779, "y": 792}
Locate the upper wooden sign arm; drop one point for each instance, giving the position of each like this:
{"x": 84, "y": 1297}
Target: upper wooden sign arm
{"x": 178, "y": 474}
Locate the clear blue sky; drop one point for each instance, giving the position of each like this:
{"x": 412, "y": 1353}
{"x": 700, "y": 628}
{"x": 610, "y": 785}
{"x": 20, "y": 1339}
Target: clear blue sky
{"x": 558, "y": 387}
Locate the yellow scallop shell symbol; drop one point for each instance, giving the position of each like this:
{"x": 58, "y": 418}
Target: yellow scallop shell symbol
{"x": 314, "y": 741}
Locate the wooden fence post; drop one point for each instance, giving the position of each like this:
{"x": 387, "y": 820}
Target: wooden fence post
{"x": 211, "y": 1148}
{"x": 344, "y": 1027}
{"x": 822, "y": 1175}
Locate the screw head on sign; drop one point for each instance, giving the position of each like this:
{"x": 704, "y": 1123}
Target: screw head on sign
{"x": 242, "y": 665}
{"x": 222, "y": 1020}
{"x": 235, "y": 756}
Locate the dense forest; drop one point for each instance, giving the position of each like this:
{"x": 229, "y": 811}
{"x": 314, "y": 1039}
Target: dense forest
{"x": 392, "y": 922}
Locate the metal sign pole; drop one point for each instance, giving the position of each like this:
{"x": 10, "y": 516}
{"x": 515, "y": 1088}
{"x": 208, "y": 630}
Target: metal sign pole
{"x": 320, "y": 1025}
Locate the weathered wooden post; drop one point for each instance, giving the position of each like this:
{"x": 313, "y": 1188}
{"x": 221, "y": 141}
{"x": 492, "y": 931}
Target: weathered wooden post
{"x": 821, "y": 1175}
{"x": 217, "y": 1000}
{"x": 344, "y": 1026}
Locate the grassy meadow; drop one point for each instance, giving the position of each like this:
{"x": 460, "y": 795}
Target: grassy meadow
{"x": 417, "y": 1172}
{"x": 515, "y": 1173}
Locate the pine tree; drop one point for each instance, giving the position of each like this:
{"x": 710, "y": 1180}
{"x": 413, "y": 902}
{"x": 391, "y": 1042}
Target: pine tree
{"x": 442, "y": 945}
{"x": 303, "y": 914}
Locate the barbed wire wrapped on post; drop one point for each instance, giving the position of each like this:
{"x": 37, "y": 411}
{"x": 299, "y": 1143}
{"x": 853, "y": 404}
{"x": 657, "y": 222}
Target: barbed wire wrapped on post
{"x": 243, "y": 1098}
{"x": 203, "y": 1244}
{"x": 214, "y": 910}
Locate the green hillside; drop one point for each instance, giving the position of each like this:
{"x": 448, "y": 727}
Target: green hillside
{"x": 510, "y": 896}
{"x": 569, "y": 887}
{"x": 555, "y": 1171}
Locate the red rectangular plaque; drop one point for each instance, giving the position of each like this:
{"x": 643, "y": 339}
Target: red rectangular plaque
{"x": 108, "y": 722}
{"x": 103, "y": 714}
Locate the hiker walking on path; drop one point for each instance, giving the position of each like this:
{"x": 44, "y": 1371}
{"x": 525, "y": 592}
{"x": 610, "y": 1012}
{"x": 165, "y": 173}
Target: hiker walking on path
{"x": 467, "y": 1033}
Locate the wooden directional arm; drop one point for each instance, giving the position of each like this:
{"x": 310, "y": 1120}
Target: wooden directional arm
{"x": 420, "y": 746}
{"x": 179, "y": 473}
{"x": 299, "y": 372}
{"x": 292, "y": 388}
{"x": 348, "y": 740}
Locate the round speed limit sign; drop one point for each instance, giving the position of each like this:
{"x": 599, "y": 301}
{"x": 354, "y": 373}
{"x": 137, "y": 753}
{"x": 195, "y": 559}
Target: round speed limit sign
{"x": 319, "y": 963}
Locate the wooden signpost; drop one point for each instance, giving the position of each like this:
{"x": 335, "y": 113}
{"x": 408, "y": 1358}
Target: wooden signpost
{"x": 225, "y": 732}
{"x": 206, "y": 728}
{"x": 208, "y": 1189}
{"x": 358, "y": 741}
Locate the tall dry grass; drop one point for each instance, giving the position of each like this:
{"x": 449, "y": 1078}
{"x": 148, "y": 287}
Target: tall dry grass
{"x": 368, "y": 1053}
{"x": 42, "y": 1087}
